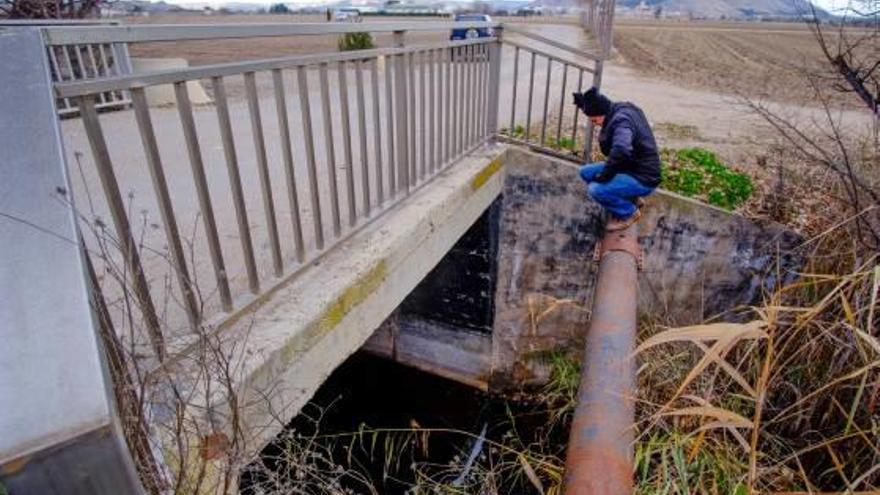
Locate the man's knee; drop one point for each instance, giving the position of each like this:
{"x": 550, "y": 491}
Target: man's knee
{"x": 597, "y": 191}
{"x": 588, "y": 171}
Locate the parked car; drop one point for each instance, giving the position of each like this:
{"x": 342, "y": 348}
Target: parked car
{"x": 347, "y": 15}
{"x": 471, "y": 33}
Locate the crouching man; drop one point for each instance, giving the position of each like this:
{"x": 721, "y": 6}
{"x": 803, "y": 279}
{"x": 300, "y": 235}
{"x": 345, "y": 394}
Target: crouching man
{"x": 631, "y": 169}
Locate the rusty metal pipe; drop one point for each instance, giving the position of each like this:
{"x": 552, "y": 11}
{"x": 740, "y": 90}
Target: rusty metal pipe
{"x": 600, "y": 453}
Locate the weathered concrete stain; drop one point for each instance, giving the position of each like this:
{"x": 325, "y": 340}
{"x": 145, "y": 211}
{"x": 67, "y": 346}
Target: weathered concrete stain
{"x": 486, "y": 173}
{"x": 333, "y": 315}
{"x": 353, "y": 295}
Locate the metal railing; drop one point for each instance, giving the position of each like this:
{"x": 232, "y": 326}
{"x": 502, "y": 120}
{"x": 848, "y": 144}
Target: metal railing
{"x": 549, "y": 131}
{"x": 84, "y": 61}
{"x": 437, "y": 106}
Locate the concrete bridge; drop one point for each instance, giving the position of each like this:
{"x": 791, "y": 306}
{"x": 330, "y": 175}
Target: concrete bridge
{"x": 214, "y": 272}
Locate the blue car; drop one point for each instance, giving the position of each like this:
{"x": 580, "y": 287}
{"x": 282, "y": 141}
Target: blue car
{"x": 471, "y": 33}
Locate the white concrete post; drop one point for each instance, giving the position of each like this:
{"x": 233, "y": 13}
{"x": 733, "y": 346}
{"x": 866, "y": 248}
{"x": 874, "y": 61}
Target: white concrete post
{"x": 58, "y": 429}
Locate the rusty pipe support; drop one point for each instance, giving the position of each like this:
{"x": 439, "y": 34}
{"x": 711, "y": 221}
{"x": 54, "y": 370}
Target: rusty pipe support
{"x": 600, "y": 453}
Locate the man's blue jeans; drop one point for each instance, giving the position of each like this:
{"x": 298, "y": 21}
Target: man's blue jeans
{"x": 618, "y": 194}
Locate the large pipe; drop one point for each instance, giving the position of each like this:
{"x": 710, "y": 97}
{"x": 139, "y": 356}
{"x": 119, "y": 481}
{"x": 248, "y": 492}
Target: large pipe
{"x": 600, "y": 453}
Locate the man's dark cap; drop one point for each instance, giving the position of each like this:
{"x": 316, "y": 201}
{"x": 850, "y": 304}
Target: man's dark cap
{"x": 595, "y": 104}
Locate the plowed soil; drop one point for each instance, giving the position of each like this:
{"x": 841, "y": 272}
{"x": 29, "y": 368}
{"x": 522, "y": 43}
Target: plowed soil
{"x": 765, "y": 60}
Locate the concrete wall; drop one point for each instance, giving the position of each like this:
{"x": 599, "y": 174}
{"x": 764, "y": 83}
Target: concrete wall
{"x": 58, "y": 427}
{"x": 699, "y": 261}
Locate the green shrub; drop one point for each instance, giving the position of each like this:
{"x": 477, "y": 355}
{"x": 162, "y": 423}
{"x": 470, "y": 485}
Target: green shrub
{"x": 698, "y": 173}
{"x": 355, "y": 41}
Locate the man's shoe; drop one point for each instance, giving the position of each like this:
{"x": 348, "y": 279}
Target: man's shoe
{"x": 616, "y": 224}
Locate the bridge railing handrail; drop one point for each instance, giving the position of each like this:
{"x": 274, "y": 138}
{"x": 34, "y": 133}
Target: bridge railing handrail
{"x": 66, "y": 35}
{"x": 170, "y": 76}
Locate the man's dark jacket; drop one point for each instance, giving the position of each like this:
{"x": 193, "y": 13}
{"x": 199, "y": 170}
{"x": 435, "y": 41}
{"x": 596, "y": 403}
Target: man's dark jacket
{"x": 628, "y": 143}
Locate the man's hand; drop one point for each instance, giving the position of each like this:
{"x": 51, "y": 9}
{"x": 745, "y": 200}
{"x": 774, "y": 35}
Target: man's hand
{"x": 603, "y": 177}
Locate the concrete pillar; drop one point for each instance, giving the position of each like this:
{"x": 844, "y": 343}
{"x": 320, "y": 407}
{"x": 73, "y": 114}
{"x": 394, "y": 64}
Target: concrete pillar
{"x": 58, "y": 428}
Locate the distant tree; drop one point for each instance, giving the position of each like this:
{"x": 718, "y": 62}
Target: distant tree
{"x": 658, "y": 12}
{"x": 279, "y": 8}
{"x": 51, "y": 9}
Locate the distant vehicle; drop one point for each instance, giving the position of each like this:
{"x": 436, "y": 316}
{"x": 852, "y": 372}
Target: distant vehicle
{"x": 529, "y": 11}
{"x": 471, "y": 33}
{"x": 347, "y": 15}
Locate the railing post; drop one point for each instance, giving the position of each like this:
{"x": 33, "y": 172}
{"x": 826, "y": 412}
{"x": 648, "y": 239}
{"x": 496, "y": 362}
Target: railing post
{"x": 401, "y": 114}
{"x": 588, "y": 141}
{"x": 59, "y": 431}
{"x": 494, "y": 82}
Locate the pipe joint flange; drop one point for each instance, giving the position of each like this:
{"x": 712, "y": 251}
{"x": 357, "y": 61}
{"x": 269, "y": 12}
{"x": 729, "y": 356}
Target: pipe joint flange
{"x": 626, "y": 241}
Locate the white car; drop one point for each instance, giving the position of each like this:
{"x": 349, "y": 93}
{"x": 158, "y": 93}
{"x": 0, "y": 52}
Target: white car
{"x": 347, "y": 15}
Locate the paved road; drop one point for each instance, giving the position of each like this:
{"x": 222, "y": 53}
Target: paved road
{"x": 134, "y": 179}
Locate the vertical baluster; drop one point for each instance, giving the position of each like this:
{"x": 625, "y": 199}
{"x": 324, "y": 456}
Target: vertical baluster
{"x": 228, "y": 140}
{"x": 597, "y": 82}
{"x": 481, "y": 108}
{"x": 377, "y": 131}
{"x": 306, "y": 115}
{"x": 466, "y": 102}
{"x": 102, "y": 56}
{"x": 127, "y": 243}
{"x": 65, "y": 49}
{"x": 453, "y": 124}
{"x": 389, "y": 126}
{"x": 448, "y": 106}
{"x": 329, "y": 145}
{"x": 423, "y": 114}
{"x": 111, "y": 69}
{"x": 577, "y": 112}
{"x": 482, "y": 113}
{"x": 289, "y": 170}
{"x": 160, "y": 186}
{"x": 531, "y": 93}
{"x": 103, "y": 97}
{"x": 441, "y": 128}
{"x": 561, "y": 105}
{"x": 346, "y": 141}
{"x": 432, "y": 134}
{"x": 253, "y": 102}
{"x": 401, "y": 117}
{"x": 56, "y": 68}
{"x": 362, "y": 134}
{"x": 241, "y": 216}
{"x": 478, "y": 90}
{"x": 469, "y": 96}
{"x": 411, "y": 66}
{"x": 546, "y": 101}
{"x": 513, "y": 98}
{"x": 461, "y": 103}
{"x": 206, "y": 209}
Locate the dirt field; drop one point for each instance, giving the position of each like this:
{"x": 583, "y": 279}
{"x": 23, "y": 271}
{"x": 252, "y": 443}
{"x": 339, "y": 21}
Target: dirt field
{"x": 214, "y": 51}
{"x": 759, "y": 59}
